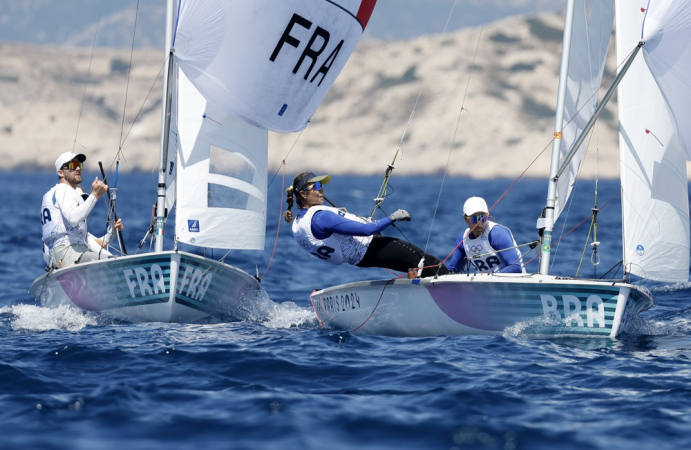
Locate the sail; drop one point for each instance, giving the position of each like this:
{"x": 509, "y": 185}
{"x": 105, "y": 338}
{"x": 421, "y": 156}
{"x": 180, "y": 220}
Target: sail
{"x": 221, "y": 166}
{"x": 592, "y": 28}
{"x": 654, "y": 184}
{"x": 667, "y": 33}
{"x": 268, "y": 62}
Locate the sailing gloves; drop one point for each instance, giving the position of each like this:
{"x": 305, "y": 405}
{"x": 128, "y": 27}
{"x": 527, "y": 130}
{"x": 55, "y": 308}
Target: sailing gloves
{"x": 400, "y": 214}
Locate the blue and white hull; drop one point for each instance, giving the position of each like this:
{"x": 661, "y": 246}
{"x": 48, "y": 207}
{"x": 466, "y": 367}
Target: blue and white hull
{"x": 538, "y": 306}
{"x": 154, "y": 287}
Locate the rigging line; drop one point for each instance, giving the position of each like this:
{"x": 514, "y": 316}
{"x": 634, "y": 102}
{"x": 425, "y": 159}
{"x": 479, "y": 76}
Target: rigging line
{"x": 453, "y": 139}
{"x": 129, "y": 73}
{"x": 592, "y": 76}
{"x": 382, "y": 190}
{"x": 578, "y": 225}
{"x": 585, "y": 247}
{"x": 88, "y": 72}
{"x": 570, "y": 202}
{"x": 141, "y": 108}
{"x": 375, "y": 306}
{"x": 549, "y": 144}
{"x": 280, "y": 216}
{"x": 285, "y": 158}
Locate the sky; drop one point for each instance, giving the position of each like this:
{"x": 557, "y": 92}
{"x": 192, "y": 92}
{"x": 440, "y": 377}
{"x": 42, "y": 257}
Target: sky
{"x": 74, "y": 22}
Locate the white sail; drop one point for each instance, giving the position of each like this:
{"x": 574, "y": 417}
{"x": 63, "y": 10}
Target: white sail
{"x": 667, "y": 34}
{"x": 268, "y": 62}
{"x": 222, "y": 166}
{"x": 653, "y": 167}
{"x": 592, "y": 28}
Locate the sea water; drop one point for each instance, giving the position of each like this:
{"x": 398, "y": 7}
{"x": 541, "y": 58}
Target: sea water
{"x": 71, "y": 380}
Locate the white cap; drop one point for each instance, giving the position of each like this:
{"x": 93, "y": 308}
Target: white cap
{"x": 475, "y": 205}
{"x": 67, "y": 157}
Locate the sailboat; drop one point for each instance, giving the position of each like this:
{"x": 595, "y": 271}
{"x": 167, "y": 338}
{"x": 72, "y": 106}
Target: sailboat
{"x": 234, "y": 71}
{"x": 654, "y": 94}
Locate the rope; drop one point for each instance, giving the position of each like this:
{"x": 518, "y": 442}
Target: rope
{"x": 278, "y": 228}
{"x": 129, "y": 72}
{"x": 88, "y": 72}
{"x": 141, "y": 108}
{"x": 284, "y": 160}
{"x": 382, "y": 190}
{"x": 453, "y": 140}
{"x": 549, "y": 144}
{"x": 375, "y": 306}
{"x": 578, "y": 225}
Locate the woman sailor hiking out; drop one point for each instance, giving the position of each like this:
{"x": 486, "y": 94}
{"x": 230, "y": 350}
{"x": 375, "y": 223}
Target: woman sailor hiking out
{"x": 338, "y": 237}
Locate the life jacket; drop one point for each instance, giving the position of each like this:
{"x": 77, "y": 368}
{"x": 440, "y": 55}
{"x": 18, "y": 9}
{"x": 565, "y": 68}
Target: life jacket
{"x": 337, "y": 248}
{"x": 56, "y": 231}
{"x": 474, "y": 247}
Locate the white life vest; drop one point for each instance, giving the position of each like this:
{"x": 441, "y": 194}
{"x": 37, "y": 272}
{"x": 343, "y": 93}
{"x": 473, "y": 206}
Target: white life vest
{"x": 56, "y": 229}
{"x": 337, "y": 248}
{"x": 474, "y": 247}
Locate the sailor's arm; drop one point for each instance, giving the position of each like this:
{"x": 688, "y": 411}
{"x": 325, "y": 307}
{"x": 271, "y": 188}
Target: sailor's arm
{"x": 326, "y": 223}
{"x": 500, "y": 238}
{"x": 67, "y": 200}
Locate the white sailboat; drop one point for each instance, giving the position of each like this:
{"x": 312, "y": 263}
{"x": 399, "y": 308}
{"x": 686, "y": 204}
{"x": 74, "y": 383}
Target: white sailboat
{"x": 654, "y": 143}
{"x": 235, "y": 69}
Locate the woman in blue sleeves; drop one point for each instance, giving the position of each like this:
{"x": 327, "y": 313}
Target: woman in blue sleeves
{"x": 338, "y": 237}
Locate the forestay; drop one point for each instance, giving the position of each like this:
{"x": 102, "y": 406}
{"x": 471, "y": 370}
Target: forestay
{"x": 592, "y": 28}
{"x": 268, "y": 62}
{"x": 653, "y": 161}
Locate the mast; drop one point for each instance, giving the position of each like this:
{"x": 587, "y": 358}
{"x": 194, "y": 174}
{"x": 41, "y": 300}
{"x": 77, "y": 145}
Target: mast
{"x": 548, "y": 221}
{"x": 165, "y": 125}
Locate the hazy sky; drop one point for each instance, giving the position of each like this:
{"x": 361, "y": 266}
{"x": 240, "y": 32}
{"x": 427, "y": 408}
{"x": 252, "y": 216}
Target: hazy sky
{"x": 75, "y": 21}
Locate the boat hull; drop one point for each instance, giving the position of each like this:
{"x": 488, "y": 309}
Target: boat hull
{"x": 537, "y": 306}
{"x": 158, "y": 287}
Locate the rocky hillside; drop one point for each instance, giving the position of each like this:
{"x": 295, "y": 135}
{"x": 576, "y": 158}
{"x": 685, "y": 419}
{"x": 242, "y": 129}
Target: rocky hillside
{"x": 503, "y": 75}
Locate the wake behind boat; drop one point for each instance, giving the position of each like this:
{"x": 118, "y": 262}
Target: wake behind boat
{"x": 654, "y": 121}
{"x": 234, "y": 70}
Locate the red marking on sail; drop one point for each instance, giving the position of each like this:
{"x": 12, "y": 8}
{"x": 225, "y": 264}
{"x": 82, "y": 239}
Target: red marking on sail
{"x": 647, "y": 131}
{"x": 365, "y": 11}
{"x": 642, "y": 9}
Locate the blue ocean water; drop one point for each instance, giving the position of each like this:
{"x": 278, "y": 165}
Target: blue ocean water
{"x": 70, "y": 380}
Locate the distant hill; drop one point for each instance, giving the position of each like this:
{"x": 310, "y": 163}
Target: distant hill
{"x": 74, "y": 22}
{"x": 507, "y": 122}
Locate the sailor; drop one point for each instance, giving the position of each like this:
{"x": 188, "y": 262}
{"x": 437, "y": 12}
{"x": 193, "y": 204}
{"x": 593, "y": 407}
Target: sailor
{"x": 482, "y": 243}
{"x": 337, "y": 236}
{"x": 64, "y": 210}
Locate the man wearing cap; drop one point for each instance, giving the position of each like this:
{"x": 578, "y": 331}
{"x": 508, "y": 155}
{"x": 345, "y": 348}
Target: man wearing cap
{"x": 488, "y": 246}
{"x": 64, "y": 211}
{"x": 338, "y": 237}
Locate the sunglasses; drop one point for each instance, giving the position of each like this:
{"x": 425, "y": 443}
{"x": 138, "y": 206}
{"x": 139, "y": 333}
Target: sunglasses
{"x": 477, "y": 218}
{"x": 314, "y": 187}
{"x": 72, "y": 165}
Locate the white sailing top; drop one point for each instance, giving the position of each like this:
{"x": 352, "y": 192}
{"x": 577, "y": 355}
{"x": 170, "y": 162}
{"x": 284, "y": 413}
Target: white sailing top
{"x": 63, "y": 216}
{"x": 337, "y": 248}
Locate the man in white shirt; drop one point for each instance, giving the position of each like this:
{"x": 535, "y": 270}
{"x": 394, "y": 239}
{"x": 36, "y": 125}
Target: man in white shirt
{"x": 63, "y": 217}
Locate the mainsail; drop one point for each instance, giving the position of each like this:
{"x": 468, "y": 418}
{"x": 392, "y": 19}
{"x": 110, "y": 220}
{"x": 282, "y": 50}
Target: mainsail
{"x": 591, "y": 31}
{"x": 653, "y": 157}
{"x": 241, "y": 68}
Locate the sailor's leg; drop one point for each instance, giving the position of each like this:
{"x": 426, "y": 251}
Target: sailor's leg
{"x": 396, "y": 254}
